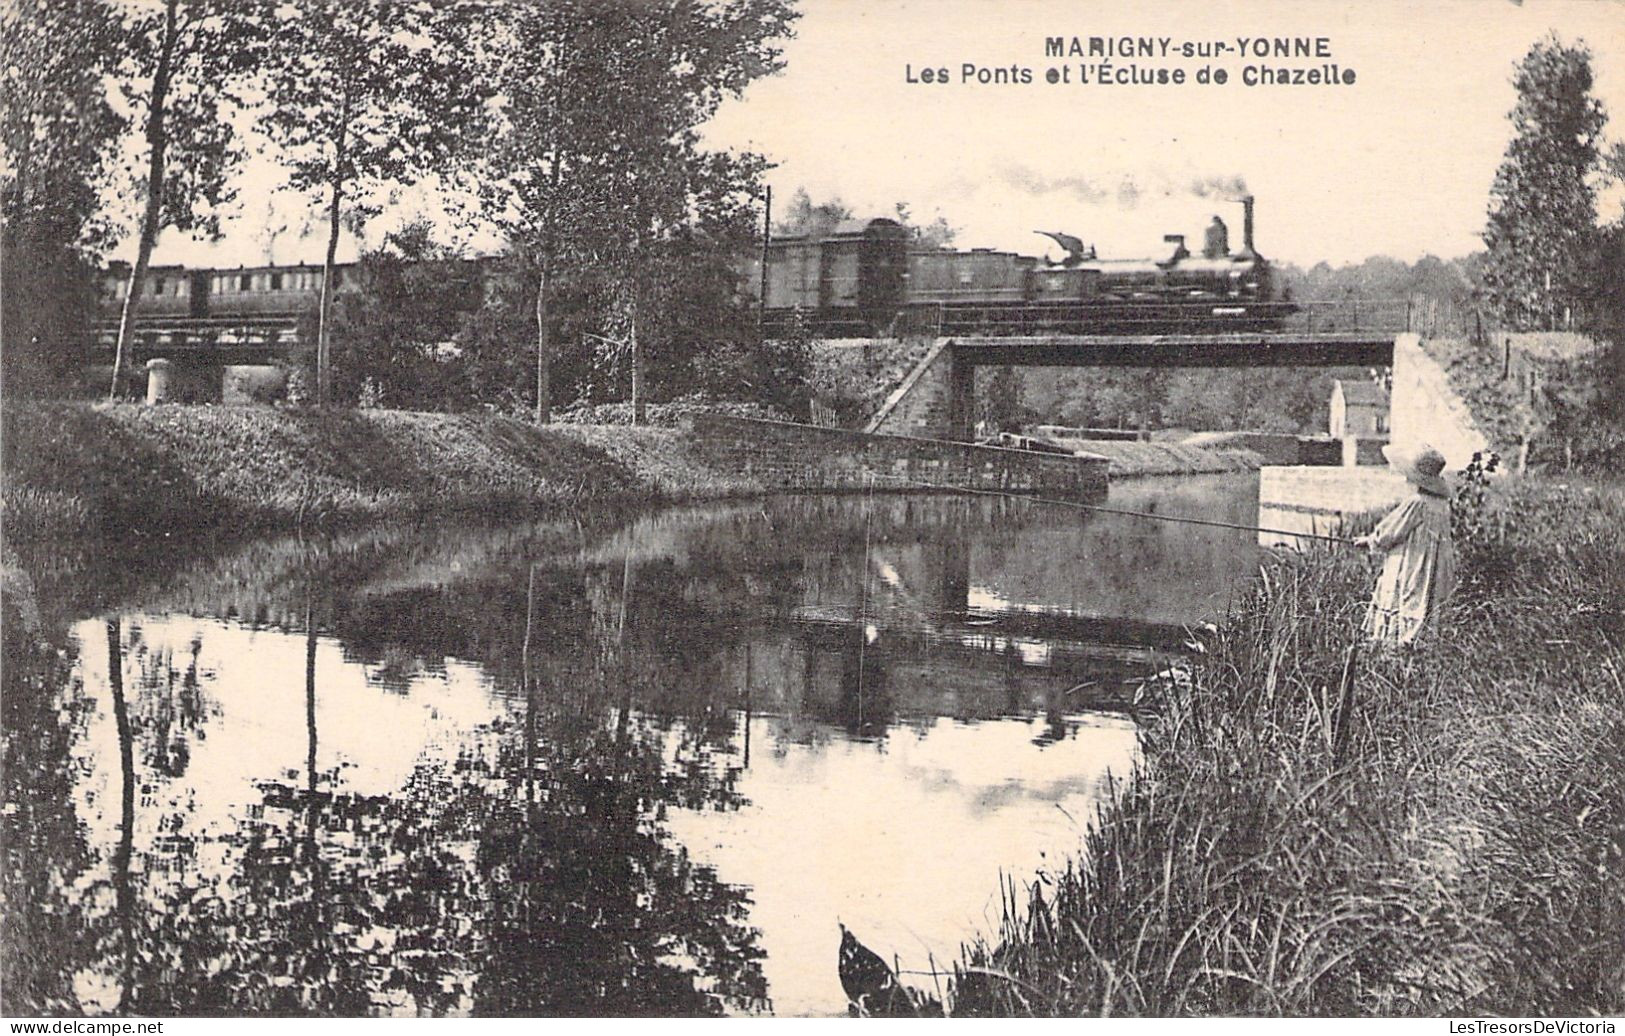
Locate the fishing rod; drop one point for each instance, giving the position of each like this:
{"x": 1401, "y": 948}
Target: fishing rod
{"x": 1052, "y": 501}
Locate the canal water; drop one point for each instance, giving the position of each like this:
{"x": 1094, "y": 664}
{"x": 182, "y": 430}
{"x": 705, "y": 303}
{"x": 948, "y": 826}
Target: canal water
{"x": 563, "y": 768}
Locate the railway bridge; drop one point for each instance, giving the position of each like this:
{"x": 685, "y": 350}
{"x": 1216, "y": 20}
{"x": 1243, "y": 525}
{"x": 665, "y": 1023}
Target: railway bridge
{"x": 937, "y": 398}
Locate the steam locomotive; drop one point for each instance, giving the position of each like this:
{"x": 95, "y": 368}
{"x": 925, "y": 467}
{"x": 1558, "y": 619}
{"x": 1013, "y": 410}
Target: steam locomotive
{"x": 868, "y": 277}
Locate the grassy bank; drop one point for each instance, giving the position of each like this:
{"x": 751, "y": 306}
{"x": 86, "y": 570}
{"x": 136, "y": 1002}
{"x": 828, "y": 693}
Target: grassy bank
{"x": 1452, "y": 843}
{"x": 78, "y": 469}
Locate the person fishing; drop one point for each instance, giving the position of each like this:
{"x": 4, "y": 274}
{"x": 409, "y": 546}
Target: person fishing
{"x": 1419, "y": 571}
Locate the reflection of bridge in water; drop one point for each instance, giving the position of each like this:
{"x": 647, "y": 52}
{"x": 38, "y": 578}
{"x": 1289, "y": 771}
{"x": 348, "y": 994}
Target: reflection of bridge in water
{"x": 944, "y": 646}
{"x": 851, "y": 672}
{"x": 836, "y": 609}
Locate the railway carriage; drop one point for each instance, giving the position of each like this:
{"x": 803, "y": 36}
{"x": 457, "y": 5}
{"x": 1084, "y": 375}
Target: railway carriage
{"x": 851, "y": 279}
{"x": 180, "y": 308}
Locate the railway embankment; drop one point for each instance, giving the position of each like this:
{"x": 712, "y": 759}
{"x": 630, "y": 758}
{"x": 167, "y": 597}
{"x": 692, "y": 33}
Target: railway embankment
{"x": 80, "y": 469}
{"x": 1500, "y": 385}
{"x": 1437, "y": 832}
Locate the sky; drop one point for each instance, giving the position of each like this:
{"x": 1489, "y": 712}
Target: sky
{"x": 1397, "y": 163}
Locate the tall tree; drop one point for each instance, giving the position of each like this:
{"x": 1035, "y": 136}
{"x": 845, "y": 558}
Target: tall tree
{"x": 58, "y": 129}
{"x": 393, "y": 331}
{"x": 600, "y": 168}
{"x": 368, "y": 95}
{"x": 1542, "y": 233}
{"x": 184, "y": 59}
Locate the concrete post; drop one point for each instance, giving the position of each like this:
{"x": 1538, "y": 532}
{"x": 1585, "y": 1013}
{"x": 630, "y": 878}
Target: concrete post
{"x": 158, "y": 374}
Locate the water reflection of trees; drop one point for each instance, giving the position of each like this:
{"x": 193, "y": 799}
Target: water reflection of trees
{"x": 530, "y": 875}
{"x": 527, "y": 873}
{"x": 43, "y": 845}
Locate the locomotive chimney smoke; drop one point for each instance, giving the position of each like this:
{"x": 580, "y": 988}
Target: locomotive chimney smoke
{"x": 1230, "y": 188}
{"x": 1247, "y": 226}
{"x": 1029, "y": 181}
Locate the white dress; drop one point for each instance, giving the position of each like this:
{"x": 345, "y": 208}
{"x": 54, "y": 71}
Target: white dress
{"x": 1419, "y": 573}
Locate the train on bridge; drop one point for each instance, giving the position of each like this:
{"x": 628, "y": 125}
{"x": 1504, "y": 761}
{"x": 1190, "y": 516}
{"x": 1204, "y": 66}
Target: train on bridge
{"x": 865, "y": 277}
{"x": 868, "y": 276}
{"x": 241, "y": 310}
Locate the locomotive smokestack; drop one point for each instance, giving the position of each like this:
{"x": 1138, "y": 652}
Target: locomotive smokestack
{"x": 1247, "y": 226}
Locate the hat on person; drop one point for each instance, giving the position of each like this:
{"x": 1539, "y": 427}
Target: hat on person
{"x": 1420, "y": 465}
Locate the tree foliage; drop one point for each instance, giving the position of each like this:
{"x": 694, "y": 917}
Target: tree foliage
{"x": 1281, "y": 399}
{"x": 998, "y": 400}
{"x": 1541, "y": 234}
{"x": 182, "y": 63}
{"x": 600, "y": 170}
{"x": 939, "y": 233}
{"x": 804, "y": 218}
{"x": 1444, "y": 296}
{"x": 397, "y": 330}
{"x": 57, "y": 128}
{"x": 369, "y": 95}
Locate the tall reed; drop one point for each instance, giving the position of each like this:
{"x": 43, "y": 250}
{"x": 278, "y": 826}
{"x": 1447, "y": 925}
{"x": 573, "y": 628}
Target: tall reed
{"x": 1464, "y": 851}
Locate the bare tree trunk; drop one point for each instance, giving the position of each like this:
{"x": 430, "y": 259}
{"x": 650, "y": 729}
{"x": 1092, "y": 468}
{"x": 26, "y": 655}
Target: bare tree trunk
{"x": 544, "y": 340}
{"x": 157, "y": 142}
{"x": 124, "y": 892}
{"x": 544, "y": 346}
{"x": 324, "y": 360}
{"x": 324, "y": 357}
